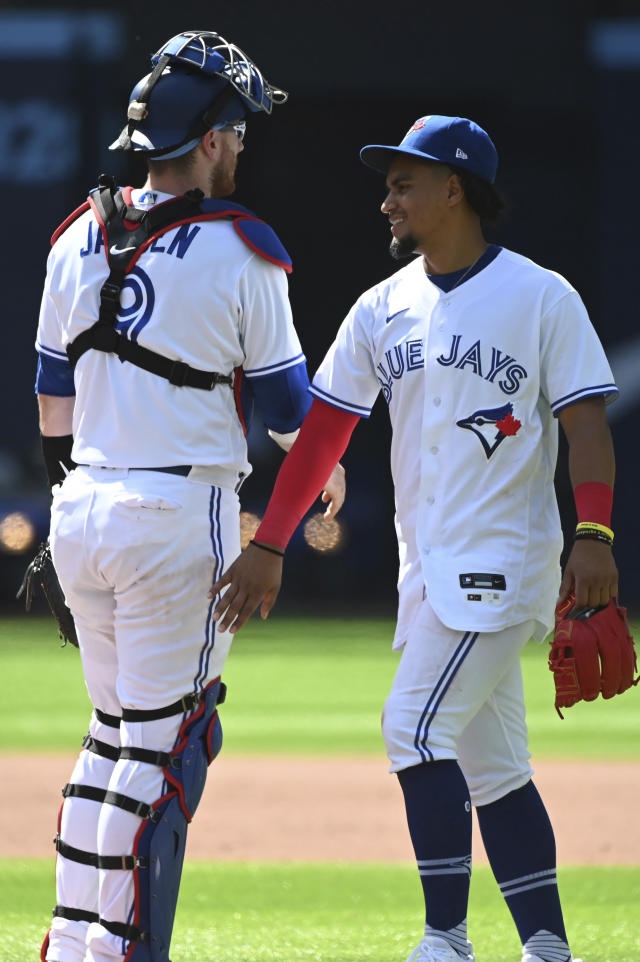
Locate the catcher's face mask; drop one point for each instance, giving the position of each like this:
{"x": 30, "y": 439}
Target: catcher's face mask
{"x": 199, "y": 81}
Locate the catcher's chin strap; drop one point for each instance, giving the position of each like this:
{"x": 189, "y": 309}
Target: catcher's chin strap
{"x": 123, "y": 245}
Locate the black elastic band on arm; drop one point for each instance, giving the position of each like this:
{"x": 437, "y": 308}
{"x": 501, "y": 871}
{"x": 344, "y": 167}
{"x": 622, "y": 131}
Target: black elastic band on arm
{"x": 56, "y": 451}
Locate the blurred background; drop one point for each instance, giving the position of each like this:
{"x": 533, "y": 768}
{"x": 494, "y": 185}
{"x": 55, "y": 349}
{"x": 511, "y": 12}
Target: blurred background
{"x": 555, "y": 83}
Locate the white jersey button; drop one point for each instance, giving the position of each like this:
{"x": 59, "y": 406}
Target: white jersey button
{"x": 437, "y": 401}
{"x": 430, "y": 499}
{"x": 434, "y": 449}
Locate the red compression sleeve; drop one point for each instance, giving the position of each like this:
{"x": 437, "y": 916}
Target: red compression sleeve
{"x": 322, "y": 441}
{"x": 594, "y": 502}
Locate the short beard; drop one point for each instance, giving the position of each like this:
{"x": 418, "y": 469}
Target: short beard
{"x": 222, "y": 181}
{"x": 402, "y": 247}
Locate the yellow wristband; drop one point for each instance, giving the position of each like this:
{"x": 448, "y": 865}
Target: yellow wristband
{"x": 594, "y": 526}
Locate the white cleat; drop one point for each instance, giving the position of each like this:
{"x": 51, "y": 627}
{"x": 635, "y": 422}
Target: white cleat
{"x": 434, "y": 949}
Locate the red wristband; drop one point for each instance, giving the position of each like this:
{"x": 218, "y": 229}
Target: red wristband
{"x": 594, "y": 501}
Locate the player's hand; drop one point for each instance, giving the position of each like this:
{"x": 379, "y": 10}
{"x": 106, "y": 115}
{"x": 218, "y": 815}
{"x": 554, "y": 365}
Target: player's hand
{"x": 254, "y": 579}
{"x": 591, "y": 573}
{"x": 334, "y": 491}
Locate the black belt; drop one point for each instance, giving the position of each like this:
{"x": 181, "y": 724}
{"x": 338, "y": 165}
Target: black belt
{"x": 181, "y": 469}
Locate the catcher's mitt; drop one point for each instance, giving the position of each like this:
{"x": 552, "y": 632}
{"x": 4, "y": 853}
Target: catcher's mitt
{"x": 592, "y": 652}
{"x": 42, "y": 570}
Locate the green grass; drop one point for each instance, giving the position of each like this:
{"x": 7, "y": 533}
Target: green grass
{"x": 313, "y": 686}
{"x": 261, "y": 912}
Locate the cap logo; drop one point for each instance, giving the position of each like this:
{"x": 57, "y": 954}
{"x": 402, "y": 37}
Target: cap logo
{"x": 461, "y": 154}
{"x": 419, "y": 124}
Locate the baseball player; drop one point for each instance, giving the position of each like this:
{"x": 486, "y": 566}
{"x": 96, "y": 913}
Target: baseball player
{"x": 478, "y": 353}
{"x": 165, "y": 316}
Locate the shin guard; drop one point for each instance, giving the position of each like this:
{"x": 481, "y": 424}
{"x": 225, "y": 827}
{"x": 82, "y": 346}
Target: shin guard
{"x": 158, "y": 850}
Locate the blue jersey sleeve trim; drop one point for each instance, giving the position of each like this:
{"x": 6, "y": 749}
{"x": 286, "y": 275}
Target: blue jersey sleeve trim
{"x": 275, "y": 368}
{"x": 609, "y": 390}
{"x": 54, "y": 377}
{"x": 283, "y": 398}
{"x": 337, "y": 402}
{"x": 43, "y": 349}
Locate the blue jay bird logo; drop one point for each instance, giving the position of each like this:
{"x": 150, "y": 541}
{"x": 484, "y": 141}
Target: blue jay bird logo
{"x": 491, "y": 426}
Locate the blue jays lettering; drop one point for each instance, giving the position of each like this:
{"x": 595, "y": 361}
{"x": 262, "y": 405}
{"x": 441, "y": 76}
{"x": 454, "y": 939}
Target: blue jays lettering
{"x": 476, "y": 359}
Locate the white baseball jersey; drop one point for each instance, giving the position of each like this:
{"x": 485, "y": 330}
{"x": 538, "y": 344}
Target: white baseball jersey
{"x": 473, "y": 379}
{"x": 198, "y": 294}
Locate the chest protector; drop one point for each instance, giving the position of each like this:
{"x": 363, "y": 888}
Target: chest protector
{"x": 126, "y": 233}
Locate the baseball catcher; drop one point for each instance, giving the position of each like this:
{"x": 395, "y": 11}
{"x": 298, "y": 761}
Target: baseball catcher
{"x": 164, "y": 318}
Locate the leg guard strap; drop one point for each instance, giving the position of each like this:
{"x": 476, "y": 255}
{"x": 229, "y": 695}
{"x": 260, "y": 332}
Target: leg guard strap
{"x": 111, "y": 721}
{"x": 75, "y": 915}
{"x": 119, "y": 862}
{"x": 129, "y": 932}
{"x": 161, "y": 759}
{"x": 185, "y": 704}
{"x": 92, "y": 744}
{"x": 111, "y": 798}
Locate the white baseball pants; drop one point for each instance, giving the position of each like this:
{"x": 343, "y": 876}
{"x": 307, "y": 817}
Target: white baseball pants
{"x": 136, "y": 552}
{"x": 460, "y": 695}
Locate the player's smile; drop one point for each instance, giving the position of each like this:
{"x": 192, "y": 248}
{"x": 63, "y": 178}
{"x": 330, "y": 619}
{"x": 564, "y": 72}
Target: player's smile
{"x": 416, "y": 199}
{"x": 395, "y": 221}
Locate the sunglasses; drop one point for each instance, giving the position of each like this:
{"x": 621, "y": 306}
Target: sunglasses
{"x": 239, "y": 129}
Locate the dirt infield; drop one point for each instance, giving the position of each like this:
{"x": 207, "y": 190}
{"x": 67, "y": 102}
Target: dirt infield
{"x": 289, "y": 809}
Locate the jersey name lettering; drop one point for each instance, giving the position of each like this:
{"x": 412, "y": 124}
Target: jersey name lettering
{"x": 179, "y": 244}
{"x": 501, "y": 363}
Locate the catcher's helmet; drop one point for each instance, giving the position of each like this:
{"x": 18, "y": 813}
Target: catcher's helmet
{"x": 199, "y": 81}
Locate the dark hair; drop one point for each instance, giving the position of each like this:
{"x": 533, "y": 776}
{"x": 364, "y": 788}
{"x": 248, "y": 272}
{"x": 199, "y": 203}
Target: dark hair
{"x": 482, "y": 197}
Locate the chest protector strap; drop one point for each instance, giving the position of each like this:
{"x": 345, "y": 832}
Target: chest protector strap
{"x": 127, "y": 232}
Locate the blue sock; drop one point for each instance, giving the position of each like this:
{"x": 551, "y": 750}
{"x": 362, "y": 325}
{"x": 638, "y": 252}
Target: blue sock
{"x": 439, "y": 816}
{"x": 520, "y": 845}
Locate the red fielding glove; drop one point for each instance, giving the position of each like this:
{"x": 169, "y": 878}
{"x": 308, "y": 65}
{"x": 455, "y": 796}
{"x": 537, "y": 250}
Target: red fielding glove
{"x": 592, "y": 653}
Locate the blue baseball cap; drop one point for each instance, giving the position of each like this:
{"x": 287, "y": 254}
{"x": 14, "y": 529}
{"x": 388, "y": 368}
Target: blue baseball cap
{"x": 448, "y": 140}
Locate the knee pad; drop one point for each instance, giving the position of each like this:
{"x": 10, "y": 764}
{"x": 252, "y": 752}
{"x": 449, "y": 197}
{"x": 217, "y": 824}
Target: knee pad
{"x": 158, "y": 850}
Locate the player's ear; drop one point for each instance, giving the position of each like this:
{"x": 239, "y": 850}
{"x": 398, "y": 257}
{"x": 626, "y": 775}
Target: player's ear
{"x": 209, "y": 143}
{"x": 455, "y": 190}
